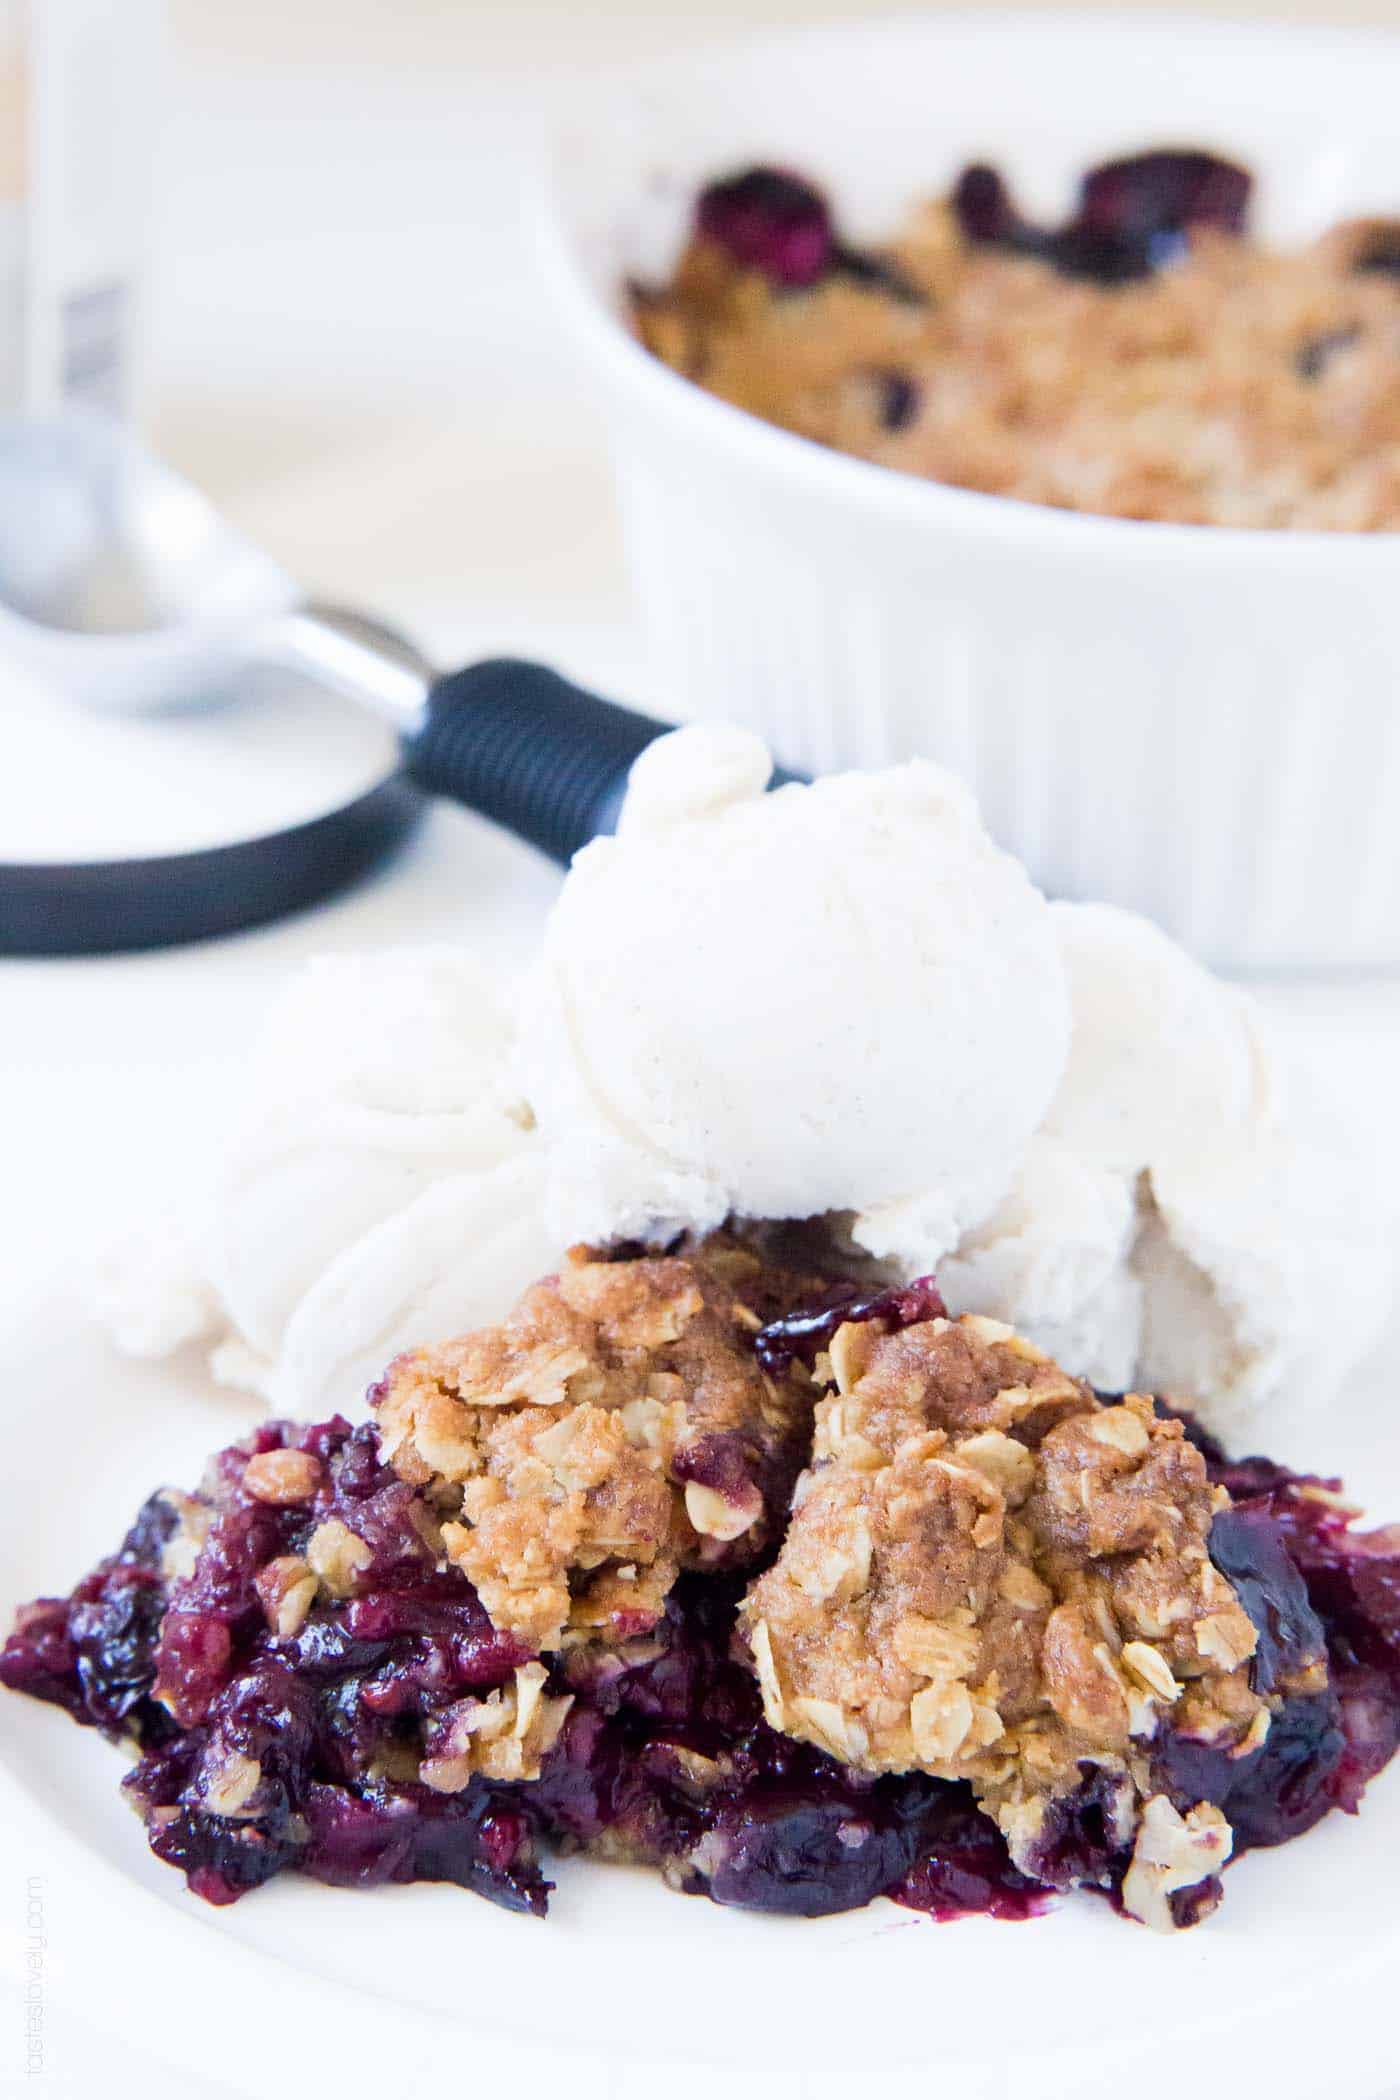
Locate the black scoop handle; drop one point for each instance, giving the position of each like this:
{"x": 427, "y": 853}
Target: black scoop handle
{"x": 513, "y": 741}
{"x": 521, "y": 745}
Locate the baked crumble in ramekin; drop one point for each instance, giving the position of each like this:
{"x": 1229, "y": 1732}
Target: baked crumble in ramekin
{"x": 1147, "y": 359}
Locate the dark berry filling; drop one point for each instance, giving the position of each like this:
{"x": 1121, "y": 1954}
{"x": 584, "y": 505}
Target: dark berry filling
{"x": 261, "y": 1753}
{"x": 668, "y": 1756}
{"x": 797, "y": 1337}
{"x": 189, "y": 1669}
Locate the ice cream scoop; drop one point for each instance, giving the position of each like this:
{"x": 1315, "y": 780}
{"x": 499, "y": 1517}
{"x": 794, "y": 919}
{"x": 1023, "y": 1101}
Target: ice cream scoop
{"x": 828, "y": 997}
{"x": 381, "y": 1184}
{"x": 1183, "y": 1211}
{"x": 839, "y": 999}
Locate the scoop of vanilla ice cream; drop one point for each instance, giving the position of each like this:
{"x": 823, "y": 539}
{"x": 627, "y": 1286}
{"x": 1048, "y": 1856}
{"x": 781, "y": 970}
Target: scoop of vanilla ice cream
{"x": 381, "y": 1187}
{"x": 836, "y": 999}
{"x": 1269, "y": 1273}
{"x": 1054, "y": 1258}
{"x": 1165, "y": 1059}
{"x": 828, "y": 997}
{"x": 456, "y": 1257}
{"x": 1181, "y": 1216}
{"x": 374, "y": 1077}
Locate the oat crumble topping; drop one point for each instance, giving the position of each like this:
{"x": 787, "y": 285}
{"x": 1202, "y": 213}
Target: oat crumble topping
{"x": 1222, "y": 383}
{"x": 1002, "y": 1636}
{"x": 992, "y": 1575}
{"x": 615, "y": 1429}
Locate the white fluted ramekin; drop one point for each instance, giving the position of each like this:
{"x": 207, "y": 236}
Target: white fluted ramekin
{"x": 1200, "y": 723}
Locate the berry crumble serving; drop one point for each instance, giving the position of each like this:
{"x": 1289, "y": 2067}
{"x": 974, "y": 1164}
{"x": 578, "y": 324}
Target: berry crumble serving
{"x": 1146, "y": 359}
{"x": 799, "y": 1593}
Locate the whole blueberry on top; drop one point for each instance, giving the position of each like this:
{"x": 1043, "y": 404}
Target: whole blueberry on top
{"x": 1132, "y": 216}
{"x": 771, "y": 221}
{"x": 983, "y": 205}
{"x": 1165, "y": 192}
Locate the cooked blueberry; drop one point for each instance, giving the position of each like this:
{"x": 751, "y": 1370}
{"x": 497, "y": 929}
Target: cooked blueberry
{"x": 899, "y": 399}
{"x": 1369, "y": 1711}
{"x": 804, "y": 1857}
{"x": 383, "y": 1834}
{"x": 221, "y": 1859}
{"x": 155, "y": 1521}
{"x": 114, "y": 1637}
{"x": 798, "y": 1336}
{"x": 963, "y": 1866}
{"x": 1079, "y": 1840}
{"x": 769, "y": 220}
{"x": 983, "y": 205}
{"x": 1148, "y": 194}
{"x": 1324, "y": 1746}
{"x": 40, "y": 1659}
{"x": 723, "y": 1463}
{"x": 92, "y": 1653}
{"x": 194, "y": 1660}
{"x": 1132, "y": 216}
{"x": 1275, "y": 1793}
{"x": 1248, "y": 1548}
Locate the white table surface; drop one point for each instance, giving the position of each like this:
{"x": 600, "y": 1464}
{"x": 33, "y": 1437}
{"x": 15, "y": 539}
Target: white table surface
{"x": 349, "y": 356}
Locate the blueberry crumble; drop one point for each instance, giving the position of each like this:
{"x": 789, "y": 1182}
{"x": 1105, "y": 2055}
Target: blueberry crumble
{"x": 1145, "y": 358}
{"x": 798, "y": 1592}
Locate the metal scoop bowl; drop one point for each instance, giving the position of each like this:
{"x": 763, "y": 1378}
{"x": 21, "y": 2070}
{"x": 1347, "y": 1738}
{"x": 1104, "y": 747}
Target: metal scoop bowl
{"x": 121, "y": 586}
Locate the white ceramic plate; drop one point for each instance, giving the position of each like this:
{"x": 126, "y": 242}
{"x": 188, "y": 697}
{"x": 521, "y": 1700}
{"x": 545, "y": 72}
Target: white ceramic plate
{"x": 1286, "y": 1992}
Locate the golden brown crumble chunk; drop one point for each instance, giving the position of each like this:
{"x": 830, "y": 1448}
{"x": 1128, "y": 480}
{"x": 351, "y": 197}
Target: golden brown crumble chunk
{"x": 614, "y": 1429}
{"x": 992, "y": 1575}
{"x": 503, "y": 1734}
